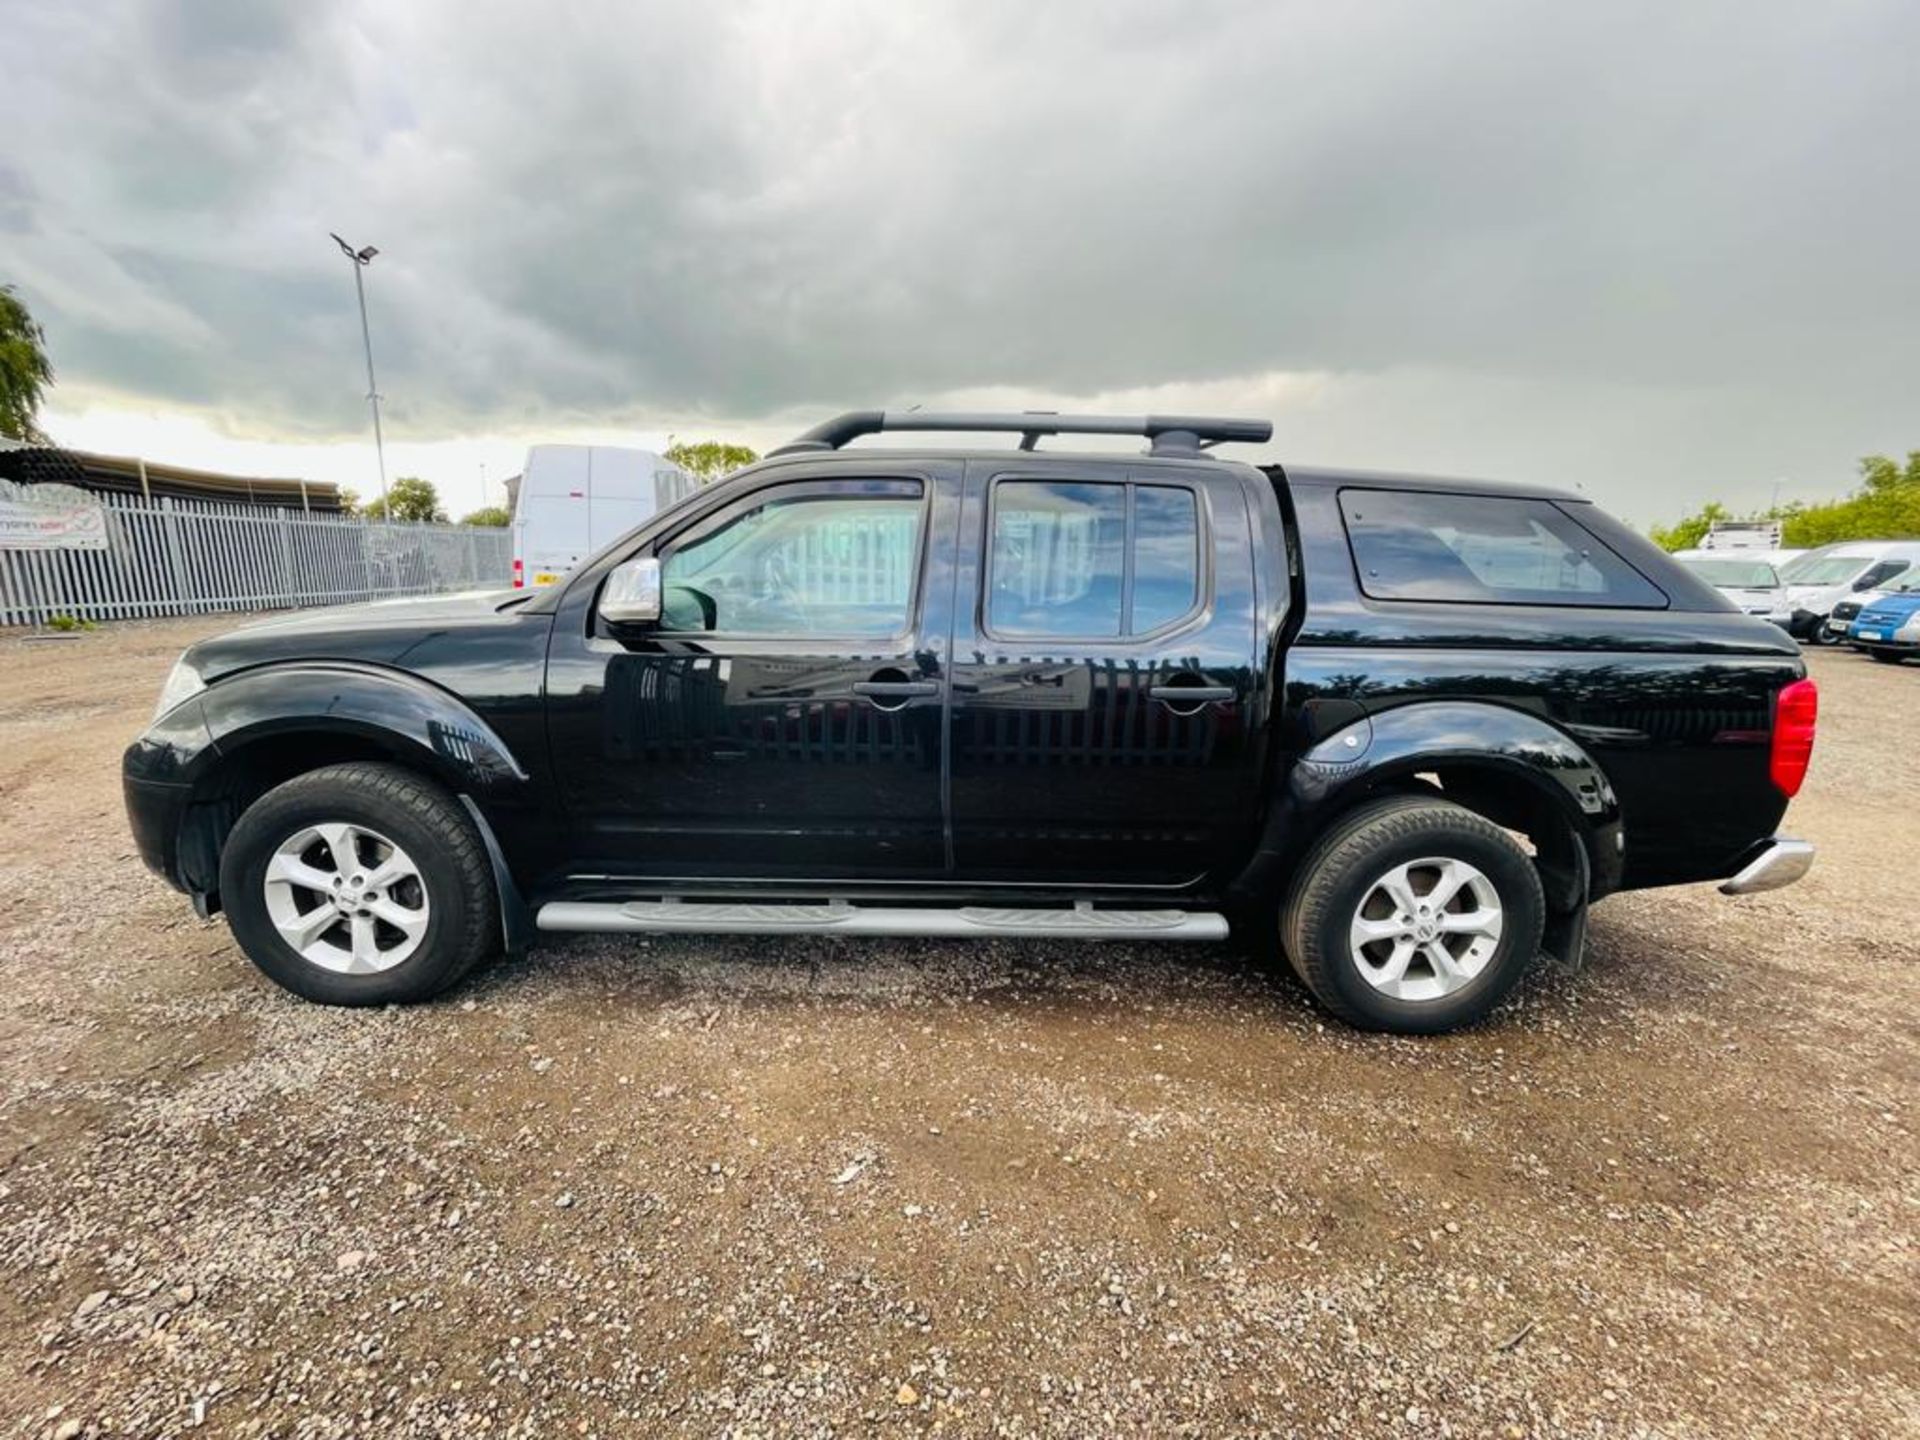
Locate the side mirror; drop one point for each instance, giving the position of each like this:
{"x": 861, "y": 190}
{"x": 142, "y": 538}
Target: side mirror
{"x": 631, "y": 595}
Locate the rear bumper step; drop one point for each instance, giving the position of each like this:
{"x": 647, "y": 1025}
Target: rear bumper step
{"x": 1781, "y": 862}
{"x": 1082, "y": 922}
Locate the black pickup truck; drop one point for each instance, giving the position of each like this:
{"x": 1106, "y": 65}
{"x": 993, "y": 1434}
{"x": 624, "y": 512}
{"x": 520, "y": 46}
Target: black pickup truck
{"x": 1404, "y": 730}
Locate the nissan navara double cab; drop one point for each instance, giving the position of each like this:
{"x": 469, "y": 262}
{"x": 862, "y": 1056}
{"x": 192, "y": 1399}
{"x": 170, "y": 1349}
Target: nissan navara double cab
{"x": 1402, "y": 731}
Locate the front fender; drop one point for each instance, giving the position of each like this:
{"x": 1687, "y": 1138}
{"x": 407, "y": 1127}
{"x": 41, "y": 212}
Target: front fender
{"x": 406, "y": 717}
{"x": 180, "y": 768}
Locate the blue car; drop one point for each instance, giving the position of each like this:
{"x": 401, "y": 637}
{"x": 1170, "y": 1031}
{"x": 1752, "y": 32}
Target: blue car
{"x": 1889, "y": 628}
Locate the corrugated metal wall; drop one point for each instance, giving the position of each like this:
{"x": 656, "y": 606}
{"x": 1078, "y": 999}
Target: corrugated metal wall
{"x": 184, "y": 557}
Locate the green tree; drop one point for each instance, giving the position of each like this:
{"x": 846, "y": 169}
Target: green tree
{"x": 1886, "y": 506}
{"x": 25, "y": 370}
{"x": 492, "y": 515}
{"x": 708, "y": 460}
{"x": 408, "y": 498}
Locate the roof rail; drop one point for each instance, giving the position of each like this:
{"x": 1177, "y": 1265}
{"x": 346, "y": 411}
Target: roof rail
{"x": 1170, "y": 434}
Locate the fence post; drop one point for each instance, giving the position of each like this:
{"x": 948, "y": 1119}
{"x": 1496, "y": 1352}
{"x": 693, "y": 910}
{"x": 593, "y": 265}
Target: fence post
{"x": 176, "y": 566}
{"x": 292, "y": 593}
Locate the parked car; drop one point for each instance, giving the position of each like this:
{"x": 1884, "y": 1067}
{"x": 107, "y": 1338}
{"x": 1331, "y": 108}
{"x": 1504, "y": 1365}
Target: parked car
{"x": 1845, "y": 612}
{"x": 1750, "y": 583}
{"x": 574, "y": 499}
{"x": 1403, "y": 730}
{"x": 1888, "y": 628}
{"x": 1821, "y": 579}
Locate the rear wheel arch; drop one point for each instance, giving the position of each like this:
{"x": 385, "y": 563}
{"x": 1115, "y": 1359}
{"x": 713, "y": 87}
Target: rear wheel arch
{"x": 1529, "y": 806}
{"x": 1517, "y": 769}
{"x": 1507, "y": 797}
{"x": 1510, "y": 767}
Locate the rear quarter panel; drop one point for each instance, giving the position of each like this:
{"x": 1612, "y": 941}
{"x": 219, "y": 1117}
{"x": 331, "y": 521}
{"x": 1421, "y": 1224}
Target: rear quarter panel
{"x": 1675, "y": 705}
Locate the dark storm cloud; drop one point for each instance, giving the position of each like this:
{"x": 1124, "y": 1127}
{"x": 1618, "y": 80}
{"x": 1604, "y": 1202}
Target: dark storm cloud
{"x": 666, "y": 210}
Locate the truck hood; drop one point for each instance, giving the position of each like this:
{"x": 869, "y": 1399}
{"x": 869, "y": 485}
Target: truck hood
{"x": 382, "y": 631}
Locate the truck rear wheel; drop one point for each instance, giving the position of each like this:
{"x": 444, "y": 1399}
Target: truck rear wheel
{"x": 1412, "y": 915}
{"x": 360, "y": 884}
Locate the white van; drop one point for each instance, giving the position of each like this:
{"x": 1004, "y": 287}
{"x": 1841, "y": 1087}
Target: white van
{"x": 575, "y": 498}
{"x": 1822, "y": 578}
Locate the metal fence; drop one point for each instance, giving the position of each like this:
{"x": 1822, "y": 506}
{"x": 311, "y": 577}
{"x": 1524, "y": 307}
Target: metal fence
{"x": 188, "y": 557}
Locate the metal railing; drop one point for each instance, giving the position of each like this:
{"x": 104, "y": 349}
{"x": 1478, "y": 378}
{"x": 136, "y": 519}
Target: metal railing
{"x": 189, "y": 557}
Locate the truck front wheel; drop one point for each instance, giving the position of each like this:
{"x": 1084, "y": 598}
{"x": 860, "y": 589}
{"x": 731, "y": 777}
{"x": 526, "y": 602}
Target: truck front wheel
{"x": 359, "y": 884}
{"x": 1413, "y": 915}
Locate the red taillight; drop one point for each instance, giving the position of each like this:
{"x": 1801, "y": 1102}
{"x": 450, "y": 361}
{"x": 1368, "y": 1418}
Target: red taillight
{"x": 519, "y": 574}
{"x": 1795, "y": 710}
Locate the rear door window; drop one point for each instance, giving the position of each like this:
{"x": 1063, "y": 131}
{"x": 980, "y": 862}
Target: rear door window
{"x": 1486, "y": 549}
{"x": 1091, "y": 560}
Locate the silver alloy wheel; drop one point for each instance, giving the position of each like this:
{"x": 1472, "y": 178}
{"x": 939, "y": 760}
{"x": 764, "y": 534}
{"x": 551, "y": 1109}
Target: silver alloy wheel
{"x": 1426, "y": 928}
{"x": 346, "y": 898}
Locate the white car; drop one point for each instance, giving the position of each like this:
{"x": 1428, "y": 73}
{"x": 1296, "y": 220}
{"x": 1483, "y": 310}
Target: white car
{"x": 1744, "y": 578}
{"x": 1823, "y": 579}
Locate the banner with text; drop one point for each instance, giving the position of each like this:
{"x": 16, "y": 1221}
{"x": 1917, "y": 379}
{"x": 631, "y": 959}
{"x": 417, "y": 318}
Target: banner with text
{"x": 50, "y": 517}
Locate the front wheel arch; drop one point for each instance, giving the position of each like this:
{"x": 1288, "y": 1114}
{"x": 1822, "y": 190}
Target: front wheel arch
{"x": 263, "y": 726}
{"x": 236, "y": 775}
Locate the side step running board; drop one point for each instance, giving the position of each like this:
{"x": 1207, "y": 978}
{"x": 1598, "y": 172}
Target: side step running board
{"x": 838, "y": 918}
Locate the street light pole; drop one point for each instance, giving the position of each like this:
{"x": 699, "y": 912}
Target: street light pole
{"x": 361, "y": 259}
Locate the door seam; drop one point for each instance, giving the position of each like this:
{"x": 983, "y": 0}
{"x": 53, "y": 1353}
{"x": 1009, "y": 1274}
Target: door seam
{"x": 946, "y": 694}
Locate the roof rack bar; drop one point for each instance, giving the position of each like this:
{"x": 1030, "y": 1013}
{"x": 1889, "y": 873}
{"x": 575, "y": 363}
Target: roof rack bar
{"x": 1175, "y": 434}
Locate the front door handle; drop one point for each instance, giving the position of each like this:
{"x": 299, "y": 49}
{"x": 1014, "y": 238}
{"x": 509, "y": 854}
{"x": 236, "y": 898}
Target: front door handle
{"x": 1190, "y": 694}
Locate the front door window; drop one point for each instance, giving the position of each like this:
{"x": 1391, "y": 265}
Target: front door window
{"x": 802, "y": 565}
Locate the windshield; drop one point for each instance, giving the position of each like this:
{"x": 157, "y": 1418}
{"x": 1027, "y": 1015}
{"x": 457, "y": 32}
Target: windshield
{"x": 1739, "y": 574}
{"x": 1825, "y": 569}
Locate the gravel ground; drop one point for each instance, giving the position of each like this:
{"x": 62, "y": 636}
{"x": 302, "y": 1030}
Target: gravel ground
{"x": 739, "y": 1187}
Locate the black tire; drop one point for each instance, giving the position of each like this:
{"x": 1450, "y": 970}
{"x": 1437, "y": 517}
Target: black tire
{"x": 1338, "y": 874}
{"x": 463, "y": 918}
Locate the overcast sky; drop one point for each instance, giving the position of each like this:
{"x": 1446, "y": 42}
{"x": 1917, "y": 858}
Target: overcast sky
{"x": 1663, "y": 251}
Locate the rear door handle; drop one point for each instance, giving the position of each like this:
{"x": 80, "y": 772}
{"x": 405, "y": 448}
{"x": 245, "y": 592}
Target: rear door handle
{"x": 896, "y": 689}
{"x": 1190, "y": 694}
